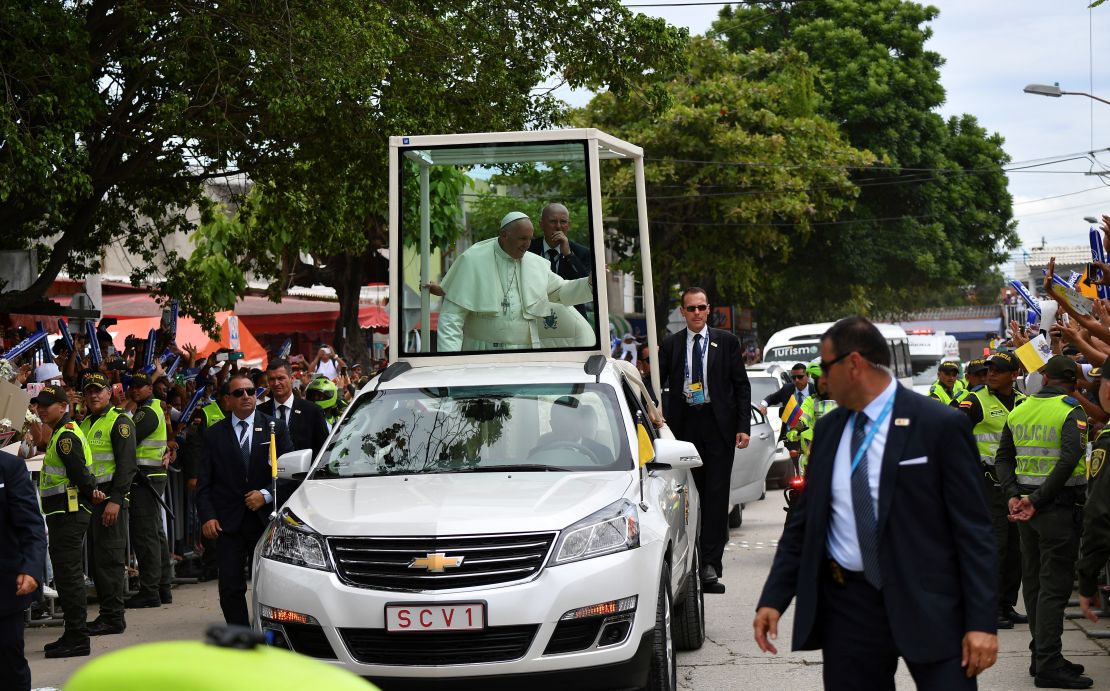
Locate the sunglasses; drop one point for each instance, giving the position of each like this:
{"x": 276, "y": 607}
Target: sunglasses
{"x": 696, "y": 308}
{"x": 798, "y": 376}
{"x": 239, "y": 393}
{"x": 826, "y": 366}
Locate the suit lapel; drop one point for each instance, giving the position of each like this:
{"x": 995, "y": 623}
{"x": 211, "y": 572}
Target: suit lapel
{"x": 896, "y": 438}
{"x": 711, "y": 356}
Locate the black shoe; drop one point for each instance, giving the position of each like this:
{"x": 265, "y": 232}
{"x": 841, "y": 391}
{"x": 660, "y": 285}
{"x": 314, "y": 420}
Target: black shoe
{"x": 101, "y": 628}
{"x": 1014, "y": 615}
{"x": 1072, "y": 667}
{"x": 148, "y": 600}
{"x": 1004, "y": 623}
{"x": 71, "y": 648}
{"x": 164, "y": 595}
{"x": 708, "y": 574}
{"x": 1062, "y": 678}
{"x": 55, "y": 644}
{"x": 713, "y": 588}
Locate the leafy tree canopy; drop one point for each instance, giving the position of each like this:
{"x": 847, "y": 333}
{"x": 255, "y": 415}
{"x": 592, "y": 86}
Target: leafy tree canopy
{"x": 115, "y": 113}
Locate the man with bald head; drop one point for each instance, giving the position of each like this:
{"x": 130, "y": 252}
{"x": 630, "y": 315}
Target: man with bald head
{"x": 568, "y": 259}
{"x": 500, "y": 296}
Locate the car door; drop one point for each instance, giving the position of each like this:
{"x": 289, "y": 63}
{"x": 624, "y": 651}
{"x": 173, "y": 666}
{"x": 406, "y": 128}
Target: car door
{"x": 750, "y": 465}
{"x": 672, "y": 489}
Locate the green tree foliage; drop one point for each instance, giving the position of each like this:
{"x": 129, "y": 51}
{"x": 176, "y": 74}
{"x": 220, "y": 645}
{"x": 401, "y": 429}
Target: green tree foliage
{"x": 935, "y": 214}
{"x": 115, "y": 113}
{"x": 740, "y": 169}
{"x": 529, "y": 188}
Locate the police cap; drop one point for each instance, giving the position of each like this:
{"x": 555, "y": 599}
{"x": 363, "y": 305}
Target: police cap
{"x": 1006, "y": 362}
{"x": 96, "y": 380}
{"x": 50, "y": 394}
{"x": 976, "y": 366}
{"x": 1061, "y": 367}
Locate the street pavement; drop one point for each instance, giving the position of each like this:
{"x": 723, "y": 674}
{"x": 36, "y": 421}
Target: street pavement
{"x": 728, "y": 660}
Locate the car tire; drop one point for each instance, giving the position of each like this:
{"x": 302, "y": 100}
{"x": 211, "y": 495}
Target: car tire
{"x": 736, "y": 516}
{"x": 689, "y": 611}
{"x": 663, "y": 672}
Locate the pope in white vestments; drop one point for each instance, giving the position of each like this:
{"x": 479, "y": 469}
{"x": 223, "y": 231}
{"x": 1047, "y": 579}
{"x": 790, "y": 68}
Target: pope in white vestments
{"x": 500, "y": 296}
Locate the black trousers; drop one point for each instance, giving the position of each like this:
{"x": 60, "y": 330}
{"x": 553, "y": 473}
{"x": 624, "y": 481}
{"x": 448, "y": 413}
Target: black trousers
{"x": 1008, "y": 538}
{"x": 712, "y": 480}
{"x": 234, "y": 550}
{"x": 858, "y": 646}
{"x": 67, "y": 554}
{"x": 14, "y": 669}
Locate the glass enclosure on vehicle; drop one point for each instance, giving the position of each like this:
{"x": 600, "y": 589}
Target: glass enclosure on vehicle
{"x": 526, "y": 427}
{"x": 497, "y": 247}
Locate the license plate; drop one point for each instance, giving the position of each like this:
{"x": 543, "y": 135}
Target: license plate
{"x": 433, "y": 617}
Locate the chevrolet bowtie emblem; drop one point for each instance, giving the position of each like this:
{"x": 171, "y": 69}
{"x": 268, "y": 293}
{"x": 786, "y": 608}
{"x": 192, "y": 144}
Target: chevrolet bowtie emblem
{"x": 435, "y": 562}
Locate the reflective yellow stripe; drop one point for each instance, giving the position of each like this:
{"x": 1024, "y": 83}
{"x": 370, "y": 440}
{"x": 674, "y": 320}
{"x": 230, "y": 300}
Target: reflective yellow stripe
{"x": 103, "y": 457}
{"x": 51, "y": 491}
{"x": 153, "y": 442}
{"x": 149, "y": 463}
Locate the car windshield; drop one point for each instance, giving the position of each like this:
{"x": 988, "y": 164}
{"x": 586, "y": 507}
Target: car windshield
{"x": 526, "y": 427}
{"x": 762, "y": 387}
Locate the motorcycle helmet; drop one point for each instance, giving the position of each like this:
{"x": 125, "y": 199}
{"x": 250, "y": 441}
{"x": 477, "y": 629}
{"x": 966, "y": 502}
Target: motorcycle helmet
{"x": 322, "y": 392}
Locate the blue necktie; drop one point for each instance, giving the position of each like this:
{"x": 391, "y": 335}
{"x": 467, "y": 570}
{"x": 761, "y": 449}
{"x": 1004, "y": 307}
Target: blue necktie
{"x": 695, "y": 366}
{"x": 244, "y": 442}
{"x": 864, "y": 509}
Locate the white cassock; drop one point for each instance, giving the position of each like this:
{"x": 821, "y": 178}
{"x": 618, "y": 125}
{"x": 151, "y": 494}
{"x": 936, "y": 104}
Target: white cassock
{"x": 495, "y": 302}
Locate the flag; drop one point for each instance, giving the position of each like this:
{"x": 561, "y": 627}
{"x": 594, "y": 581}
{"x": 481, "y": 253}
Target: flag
{"x": 645, "y": 448}
{"x": 791, "y": 413}
{"x": 1034, "y": 354}
{"x": 273, "y": 456}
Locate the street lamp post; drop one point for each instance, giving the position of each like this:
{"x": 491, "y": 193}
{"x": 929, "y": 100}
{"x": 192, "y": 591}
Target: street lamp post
{"x": 1054, "y": 91}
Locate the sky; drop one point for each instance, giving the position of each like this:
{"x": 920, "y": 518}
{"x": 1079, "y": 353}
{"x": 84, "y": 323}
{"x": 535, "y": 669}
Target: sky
{"x": 993, "y": 48}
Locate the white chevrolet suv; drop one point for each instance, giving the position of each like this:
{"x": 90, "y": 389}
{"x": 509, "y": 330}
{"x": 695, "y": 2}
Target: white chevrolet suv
{"x": 490, "y": 526}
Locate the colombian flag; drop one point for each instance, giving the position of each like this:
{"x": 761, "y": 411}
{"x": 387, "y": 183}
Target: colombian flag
{"x": 791, "y": 412}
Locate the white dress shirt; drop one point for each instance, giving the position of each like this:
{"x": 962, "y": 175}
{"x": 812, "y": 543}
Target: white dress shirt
{"x": 843, "y": 541}
{"x": 287, "y": 415}
{"x": 704, "y": 359}
{"x": 236, "y": 425}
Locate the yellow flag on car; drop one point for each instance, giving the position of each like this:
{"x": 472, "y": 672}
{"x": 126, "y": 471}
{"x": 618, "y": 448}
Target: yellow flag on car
{"x": 646, "y": 448}
{"x": 273, "y": 455}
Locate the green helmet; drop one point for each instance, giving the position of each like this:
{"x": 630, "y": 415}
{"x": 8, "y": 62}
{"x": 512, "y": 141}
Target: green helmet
{"x": 322, "y": 392}
{"x": 212, "y": 666}
{"x": 813, "y": 369}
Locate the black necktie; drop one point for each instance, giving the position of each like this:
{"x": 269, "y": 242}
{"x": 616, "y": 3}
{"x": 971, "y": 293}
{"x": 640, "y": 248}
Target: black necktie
{"x": 695, "y": 366}
{"x": 285, "y": 415}
{"x": 553, "y": 255}
{"x": 244, "y": 442}
{"x": 864, "y": 509}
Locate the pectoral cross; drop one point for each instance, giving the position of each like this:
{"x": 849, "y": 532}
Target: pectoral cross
{"x": 505, "y": 305}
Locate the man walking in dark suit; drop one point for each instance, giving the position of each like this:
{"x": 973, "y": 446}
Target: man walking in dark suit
{"x": 890, "y": 550}
{"x": 233, "y": 493}
{"x": 800, "y": 388}
{"x": 22, "y": 565}
{"x": 709, "y": 404}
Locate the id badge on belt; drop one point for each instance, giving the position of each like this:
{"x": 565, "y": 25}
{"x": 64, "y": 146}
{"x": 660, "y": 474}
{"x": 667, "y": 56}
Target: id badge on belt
{"x": 695, "y": 393}
{"x": 71, "y": 499}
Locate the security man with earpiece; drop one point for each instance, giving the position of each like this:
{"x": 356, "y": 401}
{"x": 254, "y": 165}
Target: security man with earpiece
{"x": 1042, "y": 469}
{"x": 988, "y": 407}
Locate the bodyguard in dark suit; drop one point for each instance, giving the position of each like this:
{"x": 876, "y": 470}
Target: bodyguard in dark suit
{"x": 799, "y": 388}
{"x": 22, "y": 565}
{"x": 234, "y": 500}
{"x": 305, "y": 421}
{"x": 708, "y": 404}
{"x": 890, "y": 551}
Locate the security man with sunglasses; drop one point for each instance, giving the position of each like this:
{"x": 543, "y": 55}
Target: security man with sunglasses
{"x": 234, "y": 500}
{"x": 708, "y": 403}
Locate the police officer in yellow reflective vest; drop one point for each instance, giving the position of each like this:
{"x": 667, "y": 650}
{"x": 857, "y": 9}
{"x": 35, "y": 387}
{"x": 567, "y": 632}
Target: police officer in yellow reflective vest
{"x": 1095, "y": 545}
{"x": 111, "y": 436}
{"x": 148, "y": 537}
{"x": 68, "y": 491}
{"x": 947, "y": 386}
{"x": 813, "y": 409}
{"x": 988, "y": 407}
{"x": 1042, "y": 468}
{"x": 974, "y": 375}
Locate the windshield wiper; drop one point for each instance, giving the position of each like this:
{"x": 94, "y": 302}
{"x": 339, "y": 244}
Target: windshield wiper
{"x": 527, "y": 467}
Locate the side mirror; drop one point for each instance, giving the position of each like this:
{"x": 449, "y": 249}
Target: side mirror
{"x": 295, "y": 464}
{"x": 675, "y": 454}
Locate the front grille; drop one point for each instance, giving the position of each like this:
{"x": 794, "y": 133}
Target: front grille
{"x": 573, "y": 634}
{"x": 309, "y": 639}
{"x": 383, "y": 562}
{"x": 494, "y": 644}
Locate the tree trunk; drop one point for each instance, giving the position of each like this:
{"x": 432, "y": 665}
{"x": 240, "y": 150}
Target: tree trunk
{"x": 349, "y": 341}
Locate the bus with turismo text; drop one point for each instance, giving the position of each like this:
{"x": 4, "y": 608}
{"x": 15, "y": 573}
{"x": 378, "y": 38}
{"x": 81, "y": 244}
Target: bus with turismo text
{"x": 803, "y": 344}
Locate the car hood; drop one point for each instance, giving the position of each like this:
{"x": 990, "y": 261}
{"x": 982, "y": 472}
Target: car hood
{"x": 454, "y": 504}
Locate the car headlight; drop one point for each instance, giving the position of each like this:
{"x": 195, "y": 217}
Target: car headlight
{"x": 612, "y": 529}
{"x": 291, "y": 541}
